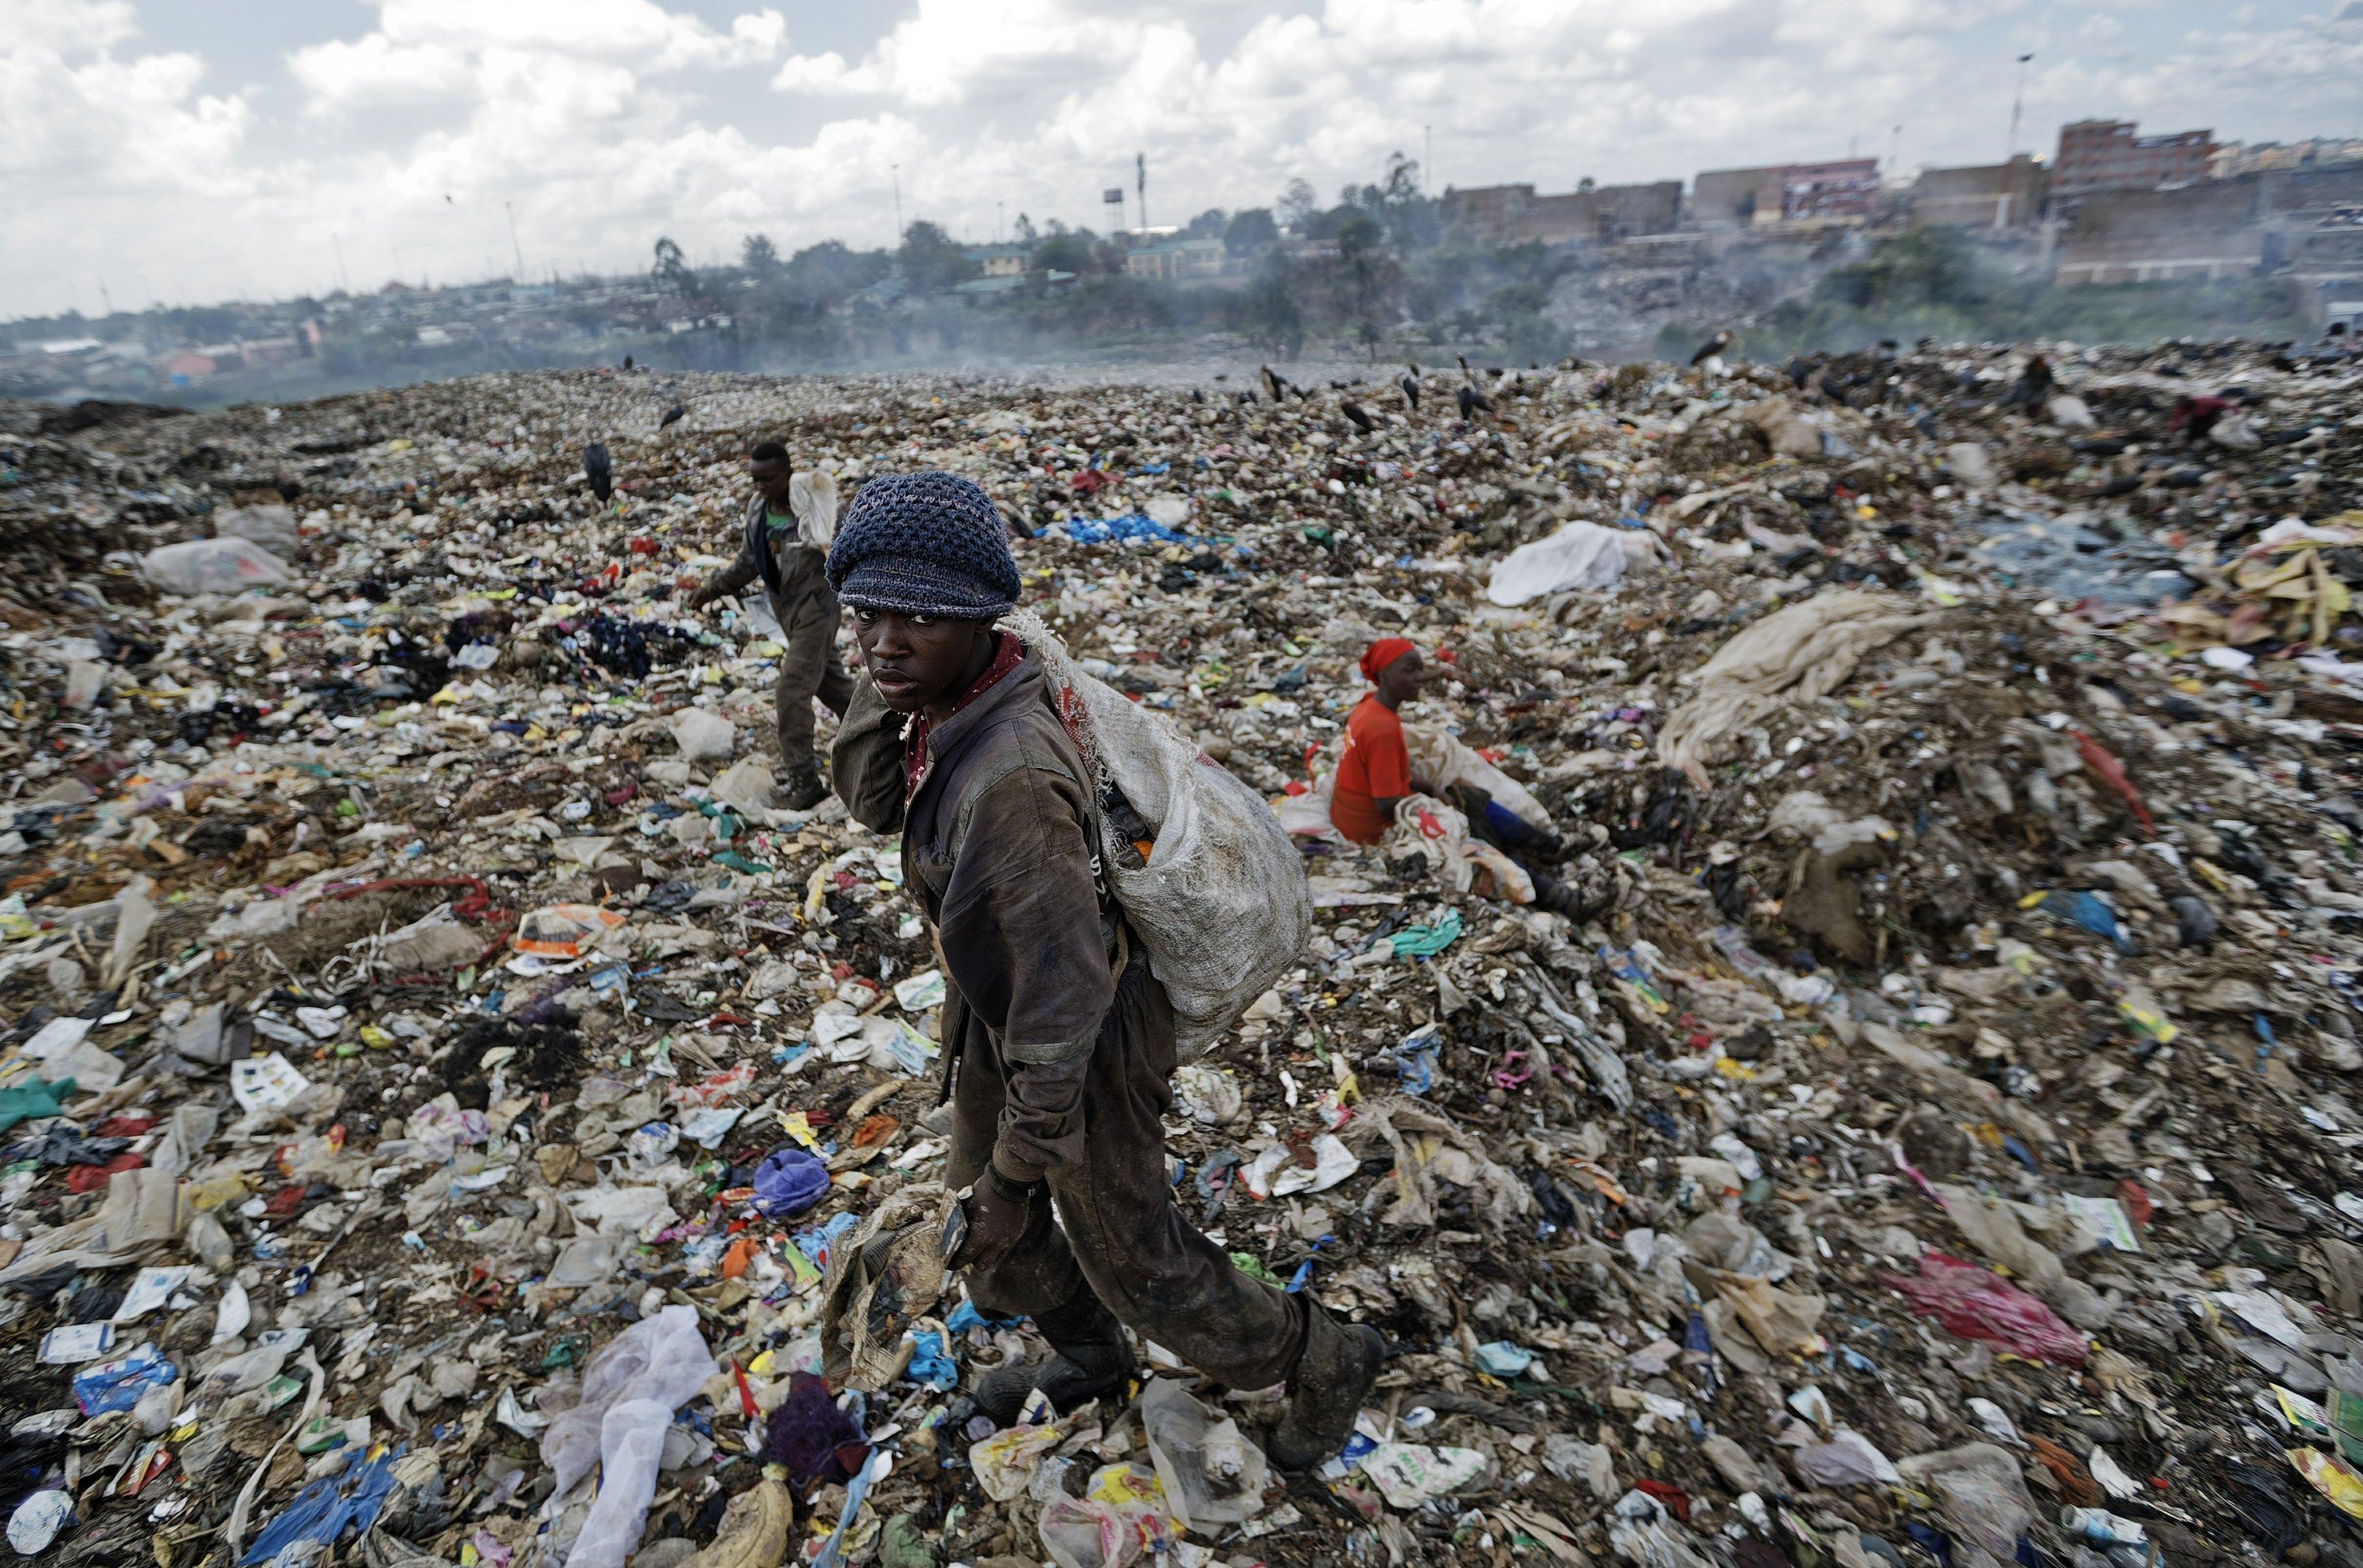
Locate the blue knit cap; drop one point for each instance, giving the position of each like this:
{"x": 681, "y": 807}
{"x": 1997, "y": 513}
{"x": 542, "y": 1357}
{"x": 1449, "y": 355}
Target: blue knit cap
{"x": 924, "y": 543}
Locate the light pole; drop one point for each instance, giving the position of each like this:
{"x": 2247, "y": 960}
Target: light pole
{"x": 2017, "y": 105}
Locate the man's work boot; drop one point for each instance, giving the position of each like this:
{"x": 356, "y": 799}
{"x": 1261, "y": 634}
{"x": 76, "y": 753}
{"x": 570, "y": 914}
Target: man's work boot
{"x": 804, "y": 786}
{"x": 1325, "y": 1392}
{"x": 1089, "y": 1358}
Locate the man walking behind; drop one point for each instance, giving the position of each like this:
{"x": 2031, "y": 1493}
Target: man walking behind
{"x": 790, "y": 555}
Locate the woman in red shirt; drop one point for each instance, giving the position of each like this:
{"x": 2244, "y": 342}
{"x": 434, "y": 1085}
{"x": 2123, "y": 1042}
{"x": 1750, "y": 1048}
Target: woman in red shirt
{"x": 1374, "y": 775}
{"x": 1374, "y": 770}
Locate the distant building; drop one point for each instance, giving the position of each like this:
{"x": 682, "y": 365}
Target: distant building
{"x": 976, "y": 289}
{"x": 2236, "y": 159}
{"x": 187, "y": 368}
{"x": 2106, "y": 154}
{"x": 1178, "y": 260}
{"x": 1510, "y": 214}
{"x": 997, "y": 261}
{"x": 2305, "y": 223}
{"x": 1983, "y": 195}
{"x": 2185, "y": 233}
{"x": 1845, "y": 190}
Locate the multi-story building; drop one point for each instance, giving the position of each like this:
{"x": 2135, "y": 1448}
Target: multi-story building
{"x": 1985, "y": 195}
{"x": 1509, "y": 215}
{"x": 1178, "y": 260}
{"x": 2107, "y": 155}
{"x": 1843, "y": 191}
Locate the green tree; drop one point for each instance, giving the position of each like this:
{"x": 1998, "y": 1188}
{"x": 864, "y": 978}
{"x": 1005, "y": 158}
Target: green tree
{"x": 1024, "y": 232}
{"x": 1516, "y": 300}
{"x": 1066, "y": 253}
{"x": 672, "y": 273}
{"x": 1208, "y": 224}
{"x": 1251, "y": 229}
{"x": 758, "y": 255}
{"x": 1535, "y": 338}
{"x": 929, "y": 259}
{"x": 1298, "y": 204}
{"x": 1270, "y": 316}
{"x": 826, "y": 274}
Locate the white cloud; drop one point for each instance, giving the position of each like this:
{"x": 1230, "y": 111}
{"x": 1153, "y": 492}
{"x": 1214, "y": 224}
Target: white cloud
{"x": 604, "y": 123}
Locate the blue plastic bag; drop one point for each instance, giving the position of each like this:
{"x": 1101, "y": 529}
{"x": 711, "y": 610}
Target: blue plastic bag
{"x": 322, "y": 1511}
{"x": 117, "y": 1384}
{"x": 788, "y": 1182}
{"x": 931, "y": 1361}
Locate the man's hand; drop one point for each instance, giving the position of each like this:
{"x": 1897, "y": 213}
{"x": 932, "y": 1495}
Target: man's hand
{"x": 698, "y": 597}
{"x": 997, "y": 1215}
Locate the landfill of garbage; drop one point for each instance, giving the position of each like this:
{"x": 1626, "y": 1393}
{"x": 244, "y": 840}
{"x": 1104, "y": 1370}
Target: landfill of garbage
{"x": 452, "y": 1111}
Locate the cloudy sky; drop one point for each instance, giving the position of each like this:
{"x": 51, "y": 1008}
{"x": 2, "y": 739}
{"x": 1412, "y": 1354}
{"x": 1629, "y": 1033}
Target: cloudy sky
{"x": 192, "y": 150}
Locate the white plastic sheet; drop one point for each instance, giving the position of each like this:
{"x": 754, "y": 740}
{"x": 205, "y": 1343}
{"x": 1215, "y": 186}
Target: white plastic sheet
{"x": 1581, "y": 555}
{"x": 630, "y": 1390}
{"x": 213, "y": 566}
{"x": 1222, "y": 906}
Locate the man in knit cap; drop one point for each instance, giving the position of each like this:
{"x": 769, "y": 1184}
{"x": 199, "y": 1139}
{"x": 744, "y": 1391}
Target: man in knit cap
{"x": 1062, "y": 1041}
{"x": 788, "y": 552}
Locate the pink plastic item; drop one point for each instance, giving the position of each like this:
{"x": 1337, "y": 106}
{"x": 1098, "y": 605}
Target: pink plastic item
{"x": 1977, "y": 1304}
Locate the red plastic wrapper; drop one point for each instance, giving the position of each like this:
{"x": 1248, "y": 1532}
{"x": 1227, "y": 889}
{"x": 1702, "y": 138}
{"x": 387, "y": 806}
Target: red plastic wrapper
{"x": 1979, "y": 1304}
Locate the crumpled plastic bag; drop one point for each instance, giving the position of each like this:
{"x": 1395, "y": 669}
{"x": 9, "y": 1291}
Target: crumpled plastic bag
{"x": 1580, "y": 555}
{"x": 703, "y": 736}
{"x": 1977, "y": 1304}
{"x": 1120, "y": 1515}
{"x": 1428, "y": 1145}
{"x": 1410, "y": 1473}
{"x": 1981, "y": 1492}
{"x": 882, "y": 1280}
{"x": 1211, "y": 1474}
{"x": 630, "y": 1390}
{"x": 213, "y": 566}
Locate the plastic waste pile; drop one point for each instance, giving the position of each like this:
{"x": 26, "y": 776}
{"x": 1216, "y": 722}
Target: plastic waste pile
{"x": 447, "y": 1104}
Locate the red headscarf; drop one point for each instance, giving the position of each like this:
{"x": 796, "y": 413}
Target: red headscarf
{"x": 1380, "y": 654}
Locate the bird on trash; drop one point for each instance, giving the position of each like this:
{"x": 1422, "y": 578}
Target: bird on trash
{"x": 1274, "y": 387}
{"x": 673, "y": 414}
{"x": 2035, "y": 383}
{"x": 1410, "y": 384}
{"x": 1466, "y": 374}
{"x": 596, "y": 470}
{"x": 1710, "y": 348}
{"x": 1470, "y": 400}
{"x": 1360, "y": 416}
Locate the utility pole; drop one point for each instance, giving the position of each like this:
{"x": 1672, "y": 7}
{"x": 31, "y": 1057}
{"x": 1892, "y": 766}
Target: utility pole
{"x": 2017, "y": 105}
{"x": 996, "y": 223}
{"x": 1895, "y": 150}
{"x": 898, "y": 202}
{"x": 510, "y": 208}
{"x": 102, "y": 297}
{"x": 1140, "y": 183}
{"x": 336, "y": 243}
